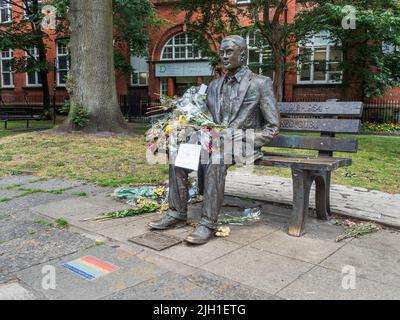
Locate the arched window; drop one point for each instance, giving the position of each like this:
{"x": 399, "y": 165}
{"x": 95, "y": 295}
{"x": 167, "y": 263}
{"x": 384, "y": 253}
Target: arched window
{"x": 181, "y": 47}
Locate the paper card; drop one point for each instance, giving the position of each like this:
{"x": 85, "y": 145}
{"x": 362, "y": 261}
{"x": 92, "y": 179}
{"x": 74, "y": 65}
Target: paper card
{"x": 188, "y": 156}
{"x": 203, "y": 89}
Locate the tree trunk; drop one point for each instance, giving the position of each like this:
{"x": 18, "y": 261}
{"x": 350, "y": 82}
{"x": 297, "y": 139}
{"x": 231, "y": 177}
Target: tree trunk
{"x": 279, "y": 73}
{"x": 93, "y": 85}
{"x": 46, "y": 94}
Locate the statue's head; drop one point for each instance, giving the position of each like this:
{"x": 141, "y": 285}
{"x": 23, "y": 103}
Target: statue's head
{"x": 234, "y": 52}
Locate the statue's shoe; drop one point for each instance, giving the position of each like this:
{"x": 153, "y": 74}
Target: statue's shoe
{"x": 167, "y": 222}
{"x": 200, "y": 236}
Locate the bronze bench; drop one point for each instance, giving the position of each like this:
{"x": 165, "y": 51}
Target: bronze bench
{"x": 328, "y": 119}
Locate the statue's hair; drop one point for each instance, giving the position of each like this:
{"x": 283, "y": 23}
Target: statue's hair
{"x": 241, "y": 43}
{"x": 238, "y": 40}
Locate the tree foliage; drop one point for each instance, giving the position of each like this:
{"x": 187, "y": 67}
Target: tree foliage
{"x": 377, "y": 25}
{"x": 266, "y": 18}
{"x": 377, "y": 22}
{"x": 25, "y": 32}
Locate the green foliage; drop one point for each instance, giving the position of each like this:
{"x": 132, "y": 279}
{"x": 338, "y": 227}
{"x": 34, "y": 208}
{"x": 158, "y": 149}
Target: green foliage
{"x": 62, "y": 223}
{"x": 384, "y": 128}
{"x": 44, "y": 223}
{"x": 79, "y": 116}
{"x": 65, "y": 107}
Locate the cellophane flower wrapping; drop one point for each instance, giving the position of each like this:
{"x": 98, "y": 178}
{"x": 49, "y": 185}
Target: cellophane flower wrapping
{"x": 187, "y": 121}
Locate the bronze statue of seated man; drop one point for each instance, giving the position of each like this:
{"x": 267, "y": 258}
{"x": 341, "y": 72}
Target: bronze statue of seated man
{"x": 239, "y": 100}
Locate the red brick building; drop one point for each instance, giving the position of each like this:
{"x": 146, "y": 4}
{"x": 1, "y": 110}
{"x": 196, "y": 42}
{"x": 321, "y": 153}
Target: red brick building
{"x": 173, "y": 65}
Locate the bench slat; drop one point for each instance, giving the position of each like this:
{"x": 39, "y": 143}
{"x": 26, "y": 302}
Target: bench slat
{"x": 303, "y": 162}
{"x": 315, "y": 143}
{"x": 321, "y": 125}
{"x": 322, "y": 108}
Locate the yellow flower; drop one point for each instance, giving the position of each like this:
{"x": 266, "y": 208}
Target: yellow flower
{"x": 168, "y": 129}
{"x": 159, "y": 191}
{"x": 182, "y": 119}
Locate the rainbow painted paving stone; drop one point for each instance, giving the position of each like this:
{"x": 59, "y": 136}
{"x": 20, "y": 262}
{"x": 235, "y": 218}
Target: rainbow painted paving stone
{"x": 90, "y": 268}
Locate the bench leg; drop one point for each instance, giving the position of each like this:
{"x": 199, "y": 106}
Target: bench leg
{"x": 321, "y": 196}
{"x": 5, "y": 125}
{"x": 328, "y": 192}
{"x": 302, "y": 181}
{"x": 27, "y": 124}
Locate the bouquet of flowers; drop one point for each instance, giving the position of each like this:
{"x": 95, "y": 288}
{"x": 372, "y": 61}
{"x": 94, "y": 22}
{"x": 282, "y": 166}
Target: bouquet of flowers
{"x": 187, "y": 121}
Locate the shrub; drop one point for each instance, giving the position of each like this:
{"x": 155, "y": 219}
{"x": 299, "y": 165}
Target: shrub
{"x": 79, "y": 116}
{"x": 385, "y": 127}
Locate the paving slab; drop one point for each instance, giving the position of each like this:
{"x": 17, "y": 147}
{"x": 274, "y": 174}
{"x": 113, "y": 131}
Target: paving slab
{"x": 30, "y": 201}
{"x": 370, "y": 263}
{"x": 22, "y": 253}
{"x": 10, "y": 230}
{"x": 70, "y": 286}
{"x": 307, "y": 249}
{"x": 384, "y": 240}
{"x": 196, "y": 256}
{"x": 199, "y": 286}
{"x": 259, "y": 269}
{"x": 226, "y": 289}
{"x": 52, "y": 184}
{"x": 324, "y": 284}
{"x": 249, "y": 233}
{"x": 78, "y": 211}
{"x": 9, "y": 193}
{"x": 14, "y": 291}
{"x": 7, "y": 181}
{"x": 129, "y": 228}
{"x": 169, "y": 286}
{"x": 91, "y": 191}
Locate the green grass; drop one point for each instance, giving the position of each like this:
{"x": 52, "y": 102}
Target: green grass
{"x": 44, "y": 223}
{"x": 80, "y": 194}
{"x": 375, "y": 165}
{"x": 106, "y": 161}
{"x": 116, "y": 161}
{"x": 27, "y": 192}
{"x": 62, "y": 223}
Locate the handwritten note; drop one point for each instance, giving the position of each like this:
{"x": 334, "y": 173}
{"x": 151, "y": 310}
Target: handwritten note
{"x": 188, "y": 156}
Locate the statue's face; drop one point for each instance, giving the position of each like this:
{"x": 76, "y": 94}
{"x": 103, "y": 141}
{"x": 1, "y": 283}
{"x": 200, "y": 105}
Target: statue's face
{"x": 231, "y": 55}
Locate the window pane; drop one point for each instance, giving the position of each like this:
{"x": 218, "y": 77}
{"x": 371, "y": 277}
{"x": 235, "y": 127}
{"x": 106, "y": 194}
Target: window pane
{"x": 334, "y": 66}
{"x": 32, "y": 78}
{"x": 180, "y": 39}
{"x": 180, "y": 52}
{"x": 6, "y": 79}
{"x": 62, "y": 63}
{"x": 254, "y": 56}
{"x": 135, "y": 78}
{"x": 143, "y": 78}
{"x": 167, "y": 53}
{"x": 305, "y": 74}
{"x": 335, "y": 77}
{"x": 320, "y": 64}
{"x": 62, "y": 77}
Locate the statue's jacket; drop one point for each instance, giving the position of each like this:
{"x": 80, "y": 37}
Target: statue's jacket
{"x": 255, "y": 107}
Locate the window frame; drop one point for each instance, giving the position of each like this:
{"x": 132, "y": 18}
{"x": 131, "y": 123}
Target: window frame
{"x": 261, "y": 51}
{"x": 163, "y": 87}
{"x": 37, "y": 73}
{"x": 6, "y": 7}
{"x": 313, "y": 46}
{"x": 11, "y": 71}
{"x": 171, "y": 44}
{"x": 138, "y": 71}
{"x": 58, "y": 55}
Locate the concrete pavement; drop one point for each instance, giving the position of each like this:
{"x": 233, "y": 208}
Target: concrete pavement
{"x": 257, "y": 261}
